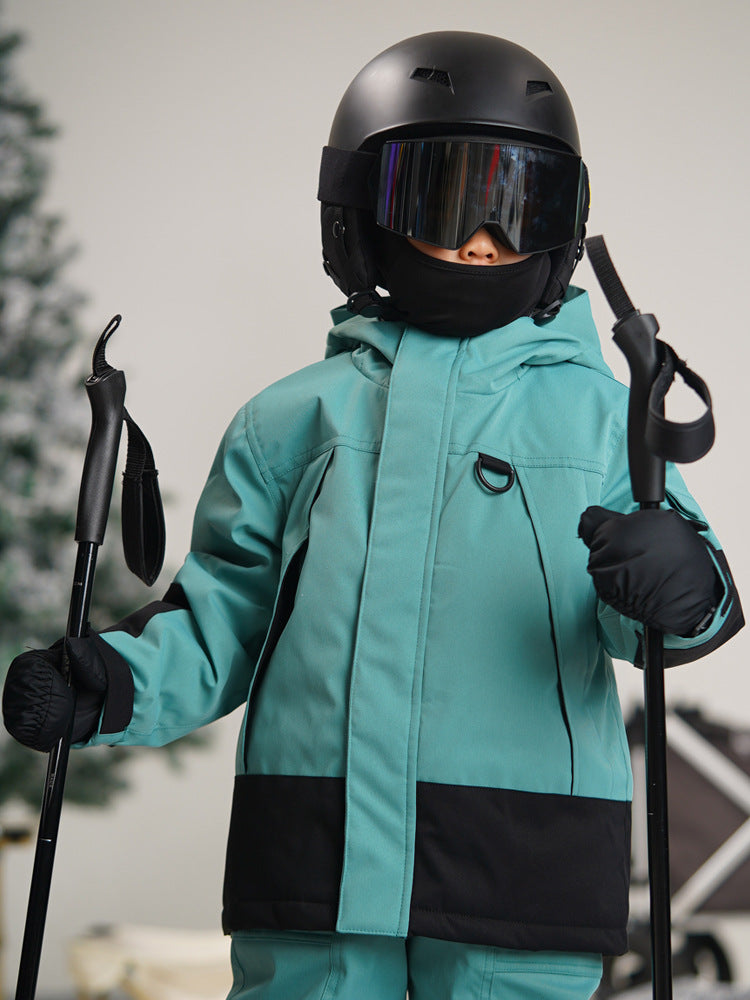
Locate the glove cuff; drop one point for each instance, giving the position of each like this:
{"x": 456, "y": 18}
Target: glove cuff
{"x": 118, "y": 705}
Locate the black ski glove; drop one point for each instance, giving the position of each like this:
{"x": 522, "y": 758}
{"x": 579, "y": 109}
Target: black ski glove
{"x": 653, "y": 567}
{"x": 38, "y": 704}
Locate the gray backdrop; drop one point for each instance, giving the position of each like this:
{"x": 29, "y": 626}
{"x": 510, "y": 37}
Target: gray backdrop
{"x": 187, "y": 171}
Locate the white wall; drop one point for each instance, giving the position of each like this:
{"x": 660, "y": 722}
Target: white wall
{"x": 187, "y": 171}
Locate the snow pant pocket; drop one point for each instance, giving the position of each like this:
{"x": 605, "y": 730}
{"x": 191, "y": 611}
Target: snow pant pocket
{"x": 295, "y": 965}
{"x": 447, "y": 970}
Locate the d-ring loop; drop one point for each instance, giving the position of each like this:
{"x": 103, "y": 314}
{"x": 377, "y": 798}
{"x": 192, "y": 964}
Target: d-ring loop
{"x": 495, "y": 465}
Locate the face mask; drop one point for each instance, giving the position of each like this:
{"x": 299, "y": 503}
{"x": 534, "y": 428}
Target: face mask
{"x": 458, "y": 300}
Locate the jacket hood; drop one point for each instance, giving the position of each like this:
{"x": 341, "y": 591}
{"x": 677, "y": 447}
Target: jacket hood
{"x": 497, "y": 355}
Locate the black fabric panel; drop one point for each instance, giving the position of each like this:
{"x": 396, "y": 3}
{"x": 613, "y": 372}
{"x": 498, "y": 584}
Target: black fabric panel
{"x": 118, "y": 704}
{"x": 134, "y": 624}
{"x": 285, "y": 852}
{"x": 504, "y": 868}
{"x": 521, "y": 870}
{"x": 176, "y": 597}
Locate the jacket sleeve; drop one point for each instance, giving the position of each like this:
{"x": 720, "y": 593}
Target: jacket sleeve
{"x": 192, "y": 654}
{"x": 622, "y": 637}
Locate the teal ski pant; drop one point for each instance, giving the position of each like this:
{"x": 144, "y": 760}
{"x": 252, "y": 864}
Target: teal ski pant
{"x": 296, "y": 965}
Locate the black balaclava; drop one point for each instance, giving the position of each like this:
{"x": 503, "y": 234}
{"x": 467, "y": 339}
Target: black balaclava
{"x": 458, "y": 300}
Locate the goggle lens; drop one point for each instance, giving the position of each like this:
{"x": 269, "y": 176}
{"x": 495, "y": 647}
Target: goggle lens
{"x": 441, "y": 191}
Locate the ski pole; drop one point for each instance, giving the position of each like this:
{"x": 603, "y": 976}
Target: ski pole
{"x": 106, "y": 391}
{"x": 651, "y": 441}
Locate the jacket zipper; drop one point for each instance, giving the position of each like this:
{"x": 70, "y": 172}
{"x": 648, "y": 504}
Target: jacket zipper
{"x": 561, "y": 699}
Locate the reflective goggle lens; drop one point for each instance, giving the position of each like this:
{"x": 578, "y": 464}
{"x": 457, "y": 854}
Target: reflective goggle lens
{"x": 440, "y": 191}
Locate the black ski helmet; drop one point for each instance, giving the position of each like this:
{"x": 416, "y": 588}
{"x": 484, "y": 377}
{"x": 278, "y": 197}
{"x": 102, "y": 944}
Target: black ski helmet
{"x": 439, "y": 83}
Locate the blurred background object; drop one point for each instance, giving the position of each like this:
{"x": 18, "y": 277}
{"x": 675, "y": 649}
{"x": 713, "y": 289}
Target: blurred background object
{"x": 151, "y": 963}
{"x": 709, "y": 850}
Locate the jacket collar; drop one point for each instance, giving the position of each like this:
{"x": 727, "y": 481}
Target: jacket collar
{"x": 498, "y": 355}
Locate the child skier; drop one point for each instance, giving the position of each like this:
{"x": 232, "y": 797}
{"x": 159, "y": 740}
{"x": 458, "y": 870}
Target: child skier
{"x": 389, "y": 567}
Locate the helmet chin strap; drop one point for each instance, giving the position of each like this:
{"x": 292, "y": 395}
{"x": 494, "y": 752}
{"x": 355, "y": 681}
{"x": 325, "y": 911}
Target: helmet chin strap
{"x": 369, "y": 302}
{"x": 564, "y": 262}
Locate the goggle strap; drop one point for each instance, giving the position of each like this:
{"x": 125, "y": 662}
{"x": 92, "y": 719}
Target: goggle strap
{"x": 345, "y": 177}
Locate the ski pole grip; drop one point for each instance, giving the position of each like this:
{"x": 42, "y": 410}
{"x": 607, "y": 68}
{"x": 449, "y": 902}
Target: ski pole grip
{"x": 106, "y": 394}
{"x": 635, "y": 335}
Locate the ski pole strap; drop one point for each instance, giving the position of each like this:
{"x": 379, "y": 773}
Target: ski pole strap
{"x": 143, "y": 528}
{"x": 672, "y": 440}
{"x": 678, "y": 441}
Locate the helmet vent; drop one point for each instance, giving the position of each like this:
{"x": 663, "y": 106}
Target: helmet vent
{"x": 536, "y": 87}
{"x": 440, "y": 76}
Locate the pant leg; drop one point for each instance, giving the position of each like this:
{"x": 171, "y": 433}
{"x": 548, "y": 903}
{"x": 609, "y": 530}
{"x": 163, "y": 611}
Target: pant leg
{"x": 297, "y": 965}
{"x": 446, "y": 970}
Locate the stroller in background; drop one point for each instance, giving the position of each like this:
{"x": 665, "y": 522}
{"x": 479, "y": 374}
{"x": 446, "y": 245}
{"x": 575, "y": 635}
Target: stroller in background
{"x": 709, "y": 822}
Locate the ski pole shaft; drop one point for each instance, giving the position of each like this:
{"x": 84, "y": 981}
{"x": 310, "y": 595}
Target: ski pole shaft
{"x": 658, "y": 818}
{"x": 106, "y": 392}
{"x": 635, "y": 335}
{"x": 54, "y": 787}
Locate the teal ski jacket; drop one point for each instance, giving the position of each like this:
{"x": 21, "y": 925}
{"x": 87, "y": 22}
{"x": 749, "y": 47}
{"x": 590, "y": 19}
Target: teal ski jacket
{"x": 385, "y": 569}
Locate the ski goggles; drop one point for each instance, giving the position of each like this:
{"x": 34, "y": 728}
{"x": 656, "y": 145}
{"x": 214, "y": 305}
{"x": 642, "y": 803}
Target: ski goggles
{"x": 441, "y": 191}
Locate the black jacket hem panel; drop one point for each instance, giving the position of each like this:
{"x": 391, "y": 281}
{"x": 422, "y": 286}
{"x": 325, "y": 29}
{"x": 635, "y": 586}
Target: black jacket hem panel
{"x": 522, "y": 869}
{"x": 492, "y": 866}
{"x": 278, "y": 915}
{"x": 285, "y": 852}
{"x": 522, "y": 937}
